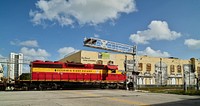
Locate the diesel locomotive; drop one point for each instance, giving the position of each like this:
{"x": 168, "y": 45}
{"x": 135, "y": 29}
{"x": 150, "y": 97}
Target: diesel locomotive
{"x": 62, "y": 75}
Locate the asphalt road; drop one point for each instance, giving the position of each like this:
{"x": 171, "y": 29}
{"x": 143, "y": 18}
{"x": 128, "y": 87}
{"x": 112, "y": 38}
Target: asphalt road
{"x": 94, "y": 98}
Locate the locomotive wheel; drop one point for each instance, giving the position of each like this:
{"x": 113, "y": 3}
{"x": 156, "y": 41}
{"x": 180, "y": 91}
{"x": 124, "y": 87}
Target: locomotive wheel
{"x": 104, "y": 86}
{"x": 2, "y": 88}
{"x": 40, "y": 87}
{"x": 55, "y": 86}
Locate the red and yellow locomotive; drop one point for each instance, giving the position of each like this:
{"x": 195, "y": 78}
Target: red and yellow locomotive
{"x": 46, "y": 74}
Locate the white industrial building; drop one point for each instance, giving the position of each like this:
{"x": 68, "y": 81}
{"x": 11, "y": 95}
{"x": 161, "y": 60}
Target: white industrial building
{"x": 15, "y": 66}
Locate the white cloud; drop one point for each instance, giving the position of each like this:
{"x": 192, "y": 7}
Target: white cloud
{"x": 158, "y": 30}
{"x": 155, "y": 53}
{"x": 192, "y": 43}
{"x": 66, "y": 51}
{"x": 28, "y": 43}
{"x": 69, "y": 12}
{"x": 33, "y": 54}
{"x": 15, "y": 42}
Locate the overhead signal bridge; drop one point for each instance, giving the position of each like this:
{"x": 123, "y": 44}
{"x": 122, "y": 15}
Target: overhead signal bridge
{"x": 109, "y": 45}
{"x": 131, "y": 72}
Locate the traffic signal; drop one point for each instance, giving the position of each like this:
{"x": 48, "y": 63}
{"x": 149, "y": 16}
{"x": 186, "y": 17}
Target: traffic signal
{"x": 90, "y": 41}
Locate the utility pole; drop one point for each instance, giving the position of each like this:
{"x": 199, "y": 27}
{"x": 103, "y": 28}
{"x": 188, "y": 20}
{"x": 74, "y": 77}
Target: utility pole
{"x": 135, "y": 69}
{"x": 125, "y": 68}
{"x": 117, "y": 47}
{"x": 161, "y": 70}
{"x": 185, "y": 72}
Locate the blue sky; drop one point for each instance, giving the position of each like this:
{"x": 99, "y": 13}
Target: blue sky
{"x": 51, "y": 29}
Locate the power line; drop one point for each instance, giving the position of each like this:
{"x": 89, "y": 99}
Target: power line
{"x": 14, "y": 61}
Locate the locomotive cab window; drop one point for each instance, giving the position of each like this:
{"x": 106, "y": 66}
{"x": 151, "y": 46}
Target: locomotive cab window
{"x": 113, "y": 71}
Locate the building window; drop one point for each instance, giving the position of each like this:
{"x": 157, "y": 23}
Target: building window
{"x": 172, "y": 69}
{"x": 140, "y": 67}
{"x": 179, "y": 68}
{"x": 148, "y": 67}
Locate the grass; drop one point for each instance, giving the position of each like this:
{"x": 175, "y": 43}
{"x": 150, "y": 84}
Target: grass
{"x": 170, "y": 90}
{"x": 182, "y": 92}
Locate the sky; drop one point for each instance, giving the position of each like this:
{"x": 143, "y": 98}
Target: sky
{"x": 52, "y": 29}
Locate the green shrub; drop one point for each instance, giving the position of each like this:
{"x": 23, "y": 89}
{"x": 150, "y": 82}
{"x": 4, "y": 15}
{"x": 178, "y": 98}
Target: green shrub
{"x": 25, "y": 76}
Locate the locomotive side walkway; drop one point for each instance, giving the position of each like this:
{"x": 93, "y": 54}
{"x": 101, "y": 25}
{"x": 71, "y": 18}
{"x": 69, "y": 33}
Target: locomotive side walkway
{"x": 94, "y": 98}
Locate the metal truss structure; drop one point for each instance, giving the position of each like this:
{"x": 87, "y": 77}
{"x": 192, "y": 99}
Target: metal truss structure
{"x": 109, "y": 45}
{"x": 6, "y": 62}
{"x": 121, "y": 48}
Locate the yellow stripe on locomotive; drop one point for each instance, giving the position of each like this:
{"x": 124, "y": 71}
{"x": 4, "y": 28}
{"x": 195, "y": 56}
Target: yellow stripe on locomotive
{"x": 66, "y": 70}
